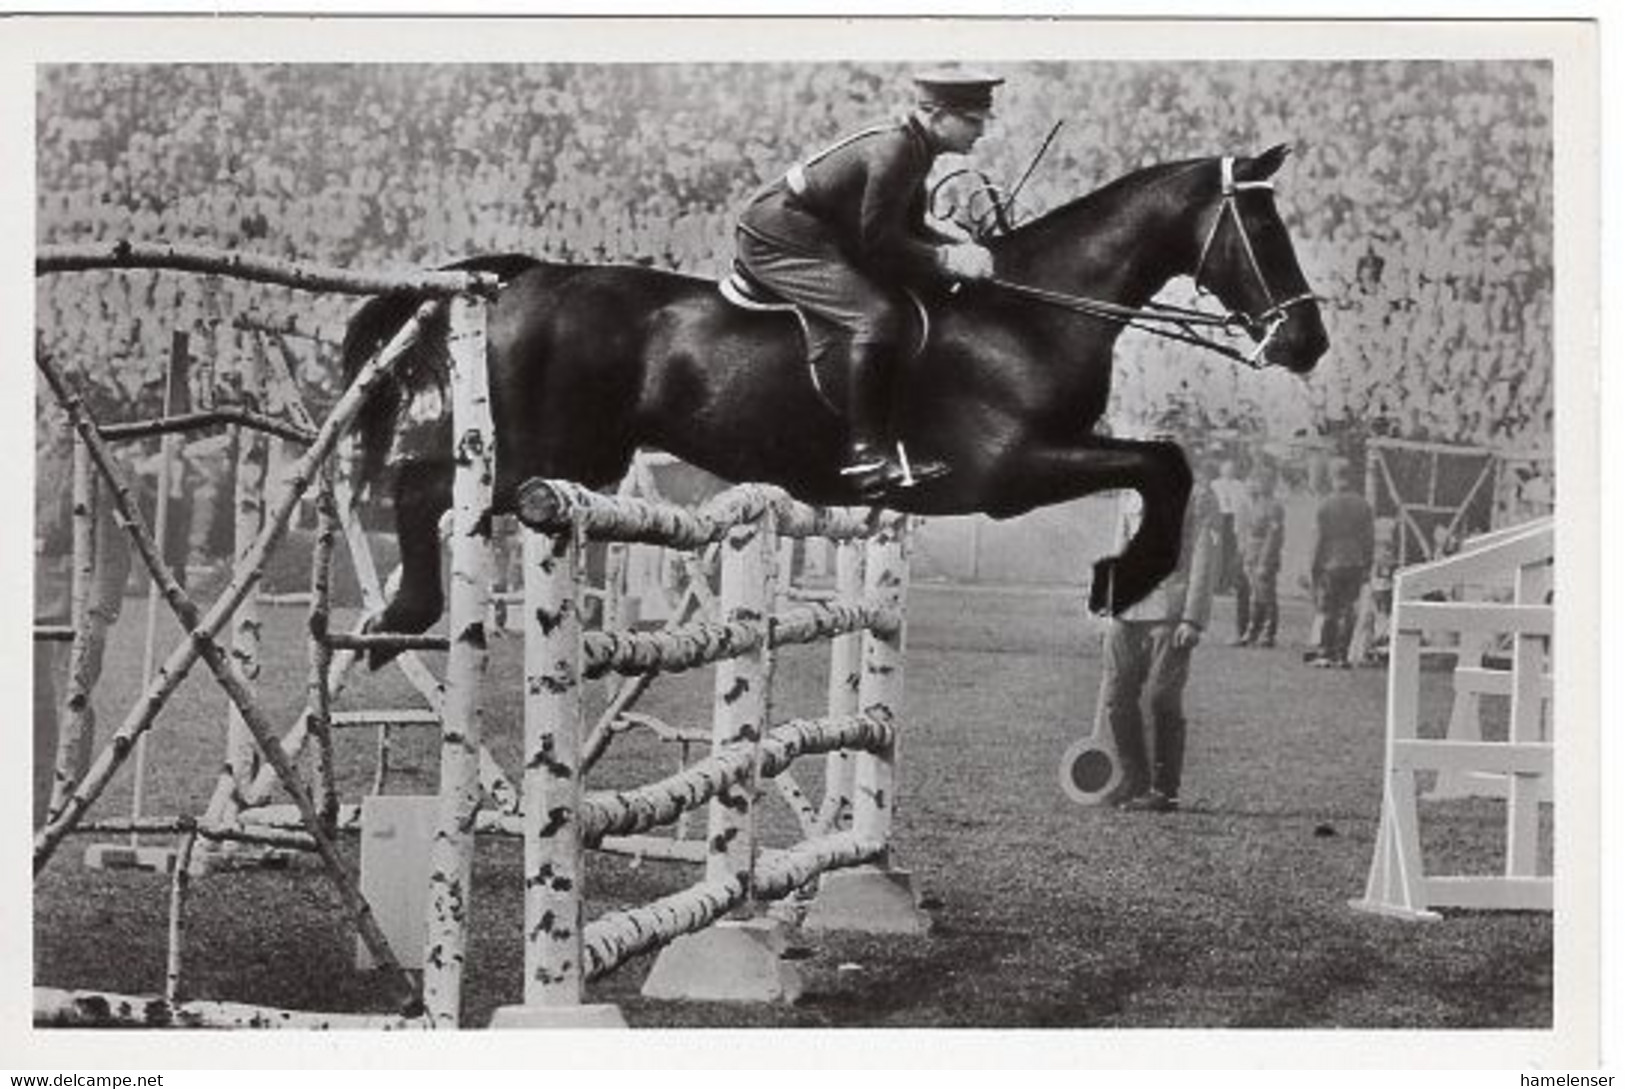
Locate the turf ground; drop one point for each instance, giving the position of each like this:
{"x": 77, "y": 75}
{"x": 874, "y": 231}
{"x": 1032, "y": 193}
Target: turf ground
{"x": 1232, "y": 913}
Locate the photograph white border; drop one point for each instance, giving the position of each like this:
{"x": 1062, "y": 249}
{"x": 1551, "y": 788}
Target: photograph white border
{"x": 1573, "y": 1042}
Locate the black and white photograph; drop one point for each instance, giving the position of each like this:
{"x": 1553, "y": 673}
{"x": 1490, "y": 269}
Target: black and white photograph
{"x": 806, "y": 524}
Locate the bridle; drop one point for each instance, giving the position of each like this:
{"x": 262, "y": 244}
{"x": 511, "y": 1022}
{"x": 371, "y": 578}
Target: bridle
{"x": 1275, "y": 312}
{"x": 1181, "y": 323}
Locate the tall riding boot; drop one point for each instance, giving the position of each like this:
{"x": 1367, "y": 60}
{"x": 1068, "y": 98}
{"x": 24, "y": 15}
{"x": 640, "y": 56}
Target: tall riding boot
{"x": 868, "y": 405}
{"x": 872, "y": 460}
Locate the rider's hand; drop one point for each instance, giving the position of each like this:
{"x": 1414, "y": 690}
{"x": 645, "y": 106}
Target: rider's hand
{"x": 965, "y": 261}
{"x": 1187, "y": 635}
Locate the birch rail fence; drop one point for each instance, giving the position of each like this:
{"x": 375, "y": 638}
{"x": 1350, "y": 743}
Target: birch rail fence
{"x": 717, "y": 941}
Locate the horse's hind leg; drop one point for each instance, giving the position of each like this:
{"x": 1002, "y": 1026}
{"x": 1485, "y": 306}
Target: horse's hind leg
{"x": 422, "y": 496}
{"x": 1157, "y": 470}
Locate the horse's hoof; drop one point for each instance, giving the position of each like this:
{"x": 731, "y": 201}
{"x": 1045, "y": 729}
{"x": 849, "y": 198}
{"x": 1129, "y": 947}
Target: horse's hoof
{"x": 1100, "y": 590}
{"x": 378, "y": 657}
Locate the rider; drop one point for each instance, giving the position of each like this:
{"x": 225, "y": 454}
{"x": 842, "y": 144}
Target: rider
{"x": 847, "y": 221}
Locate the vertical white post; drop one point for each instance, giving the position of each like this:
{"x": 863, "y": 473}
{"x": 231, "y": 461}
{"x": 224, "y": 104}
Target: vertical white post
{"x": 845, "y": 667}
{"x": 739, "y": 959}
{"x": 555, "y": 860}
{"x": 880, "y": 689}
{"x": 253, "y": 462}
{"x": 1395, "y": 884}
{"x": 1524, "y": 791}
{"x": 1404, "y": 694}
{"x": 319, "y": 684}
{"x": 241, "y": 765}
{"x": 73, "y": 746}
{"x": 877, "y": 898}
{"x": 452, "y": 854}
{"x": 168, "y": 447}
{"x": 179, "y": 882}
{"x": 743, "y": 697}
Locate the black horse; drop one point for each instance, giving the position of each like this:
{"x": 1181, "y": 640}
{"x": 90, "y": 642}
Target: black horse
{"x": 589, "y": 363}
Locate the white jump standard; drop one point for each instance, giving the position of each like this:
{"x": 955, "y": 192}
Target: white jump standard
{"x": 1523, "y": 763}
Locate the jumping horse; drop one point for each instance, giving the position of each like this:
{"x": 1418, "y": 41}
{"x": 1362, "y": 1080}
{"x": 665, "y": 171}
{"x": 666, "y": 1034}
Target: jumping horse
{"x": 588, "y": 363}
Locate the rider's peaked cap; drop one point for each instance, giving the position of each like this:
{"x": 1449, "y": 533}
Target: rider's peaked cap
{"x": 956, "y": 88}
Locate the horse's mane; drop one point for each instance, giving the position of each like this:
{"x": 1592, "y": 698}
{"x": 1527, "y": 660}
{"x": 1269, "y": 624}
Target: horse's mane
{"x": 1098, "y": 202}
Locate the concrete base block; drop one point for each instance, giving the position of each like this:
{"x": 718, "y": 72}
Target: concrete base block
{"x": 124, "y": 856}
{"x": 867, "y": 900}
{"x": 397, "y": 831}
{"x": 560, "y": 1017}
{"x": 732, "y": 961}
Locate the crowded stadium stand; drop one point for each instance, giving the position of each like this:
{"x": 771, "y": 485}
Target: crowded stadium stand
{"x": 1419, "y": 196}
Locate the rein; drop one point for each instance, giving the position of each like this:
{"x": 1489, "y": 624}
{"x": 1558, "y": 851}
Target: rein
{"x": 1159, "y": 319}
{"x": 1180, "y": 323}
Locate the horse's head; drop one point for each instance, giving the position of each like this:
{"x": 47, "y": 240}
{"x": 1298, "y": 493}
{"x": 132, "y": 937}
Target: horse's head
{"x": 1245, "y": 258}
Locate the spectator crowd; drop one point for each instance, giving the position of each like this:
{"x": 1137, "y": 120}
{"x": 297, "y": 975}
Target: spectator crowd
{"x": 1419, "y": 199}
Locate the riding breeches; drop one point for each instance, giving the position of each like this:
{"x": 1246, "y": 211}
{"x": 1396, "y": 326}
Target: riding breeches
{"x": 826, "y": 285}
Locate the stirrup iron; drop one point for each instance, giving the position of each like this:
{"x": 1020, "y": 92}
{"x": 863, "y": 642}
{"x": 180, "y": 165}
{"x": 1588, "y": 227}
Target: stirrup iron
{"x": 908, "y": 470}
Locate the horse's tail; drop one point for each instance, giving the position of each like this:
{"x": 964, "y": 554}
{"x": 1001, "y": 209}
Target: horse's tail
{"x": 426, "y": 365}
{"x": 372, "y": 327}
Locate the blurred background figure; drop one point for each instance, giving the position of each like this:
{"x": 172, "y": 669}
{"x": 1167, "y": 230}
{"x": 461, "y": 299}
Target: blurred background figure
{"x": 1369, "y": 647}
{"x": 1340, "y": 564}
{"x": 1263, "y": 534}
{"x": 1231, "y": 493}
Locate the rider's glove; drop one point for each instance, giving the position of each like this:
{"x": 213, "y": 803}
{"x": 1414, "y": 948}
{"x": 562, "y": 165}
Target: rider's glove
{"x": 965, "y": 261}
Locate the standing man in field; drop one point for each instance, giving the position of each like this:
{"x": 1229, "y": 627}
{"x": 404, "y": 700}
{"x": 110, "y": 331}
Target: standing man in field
{"x": 1345, "y": 543}
{"x": 1148, "y": 656}
{"x": 1231, "y": 492}
{"x": 1261, "y": 541}
{"x": 842, "y": 227}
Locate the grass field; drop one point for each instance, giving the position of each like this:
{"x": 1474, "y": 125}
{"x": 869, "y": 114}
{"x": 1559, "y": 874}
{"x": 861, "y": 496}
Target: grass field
{"x": 1232, "y": 913}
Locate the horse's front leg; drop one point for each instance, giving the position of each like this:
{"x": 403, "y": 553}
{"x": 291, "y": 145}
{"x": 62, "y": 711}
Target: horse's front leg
{"x": 1038, "y": 476}
{"x": 422, "y": 496}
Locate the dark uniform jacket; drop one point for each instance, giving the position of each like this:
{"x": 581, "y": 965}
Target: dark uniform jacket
{"x": 865, "y": 196}
{"x": 1344, "y": 533}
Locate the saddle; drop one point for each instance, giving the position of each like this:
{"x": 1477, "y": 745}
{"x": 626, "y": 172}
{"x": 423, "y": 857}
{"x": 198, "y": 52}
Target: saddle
{"x": 824, "y": 367}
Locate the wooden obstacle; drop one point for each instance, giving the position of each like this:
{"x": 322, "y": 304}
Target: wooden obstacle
{"x": 1521, "y": 766}
{"x": 858, "y": 885}
{"x": 253, "y": 427}
{"x": 460, "y": 782}
{"x": 705, "y": 952}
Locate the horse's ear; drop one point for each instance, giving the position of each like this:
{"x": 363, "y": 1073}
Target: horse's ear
{"x": 1263, "y": 166}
